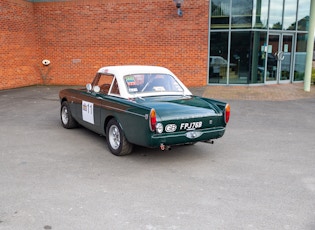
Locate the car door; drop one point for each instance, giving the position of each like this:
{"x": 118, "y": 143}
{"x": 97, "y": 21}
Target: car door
{"x": 90, "y": 111}
{"x": 89, "y": 106}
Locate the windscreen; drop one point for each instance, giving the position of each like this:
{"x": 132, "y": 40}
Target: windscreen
{"x": 148, "y": 83}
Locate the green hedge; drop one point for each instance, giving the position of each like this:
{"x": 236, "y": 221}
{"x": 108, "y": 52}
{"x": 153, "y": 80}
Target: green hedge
{"x": 313, "y": 76}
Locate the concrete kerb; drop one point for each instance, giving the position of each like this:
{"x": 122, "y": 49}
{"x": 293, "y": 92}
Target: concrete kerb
{"x": 279, "y": 92}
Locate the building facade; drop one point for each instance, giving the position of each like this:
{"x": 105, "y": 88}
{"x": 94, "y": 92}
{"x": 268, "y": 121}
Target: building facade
{"x": 258, "y": 41}
{"x": 79, "y": 36}
{"x": 214, "y": 42}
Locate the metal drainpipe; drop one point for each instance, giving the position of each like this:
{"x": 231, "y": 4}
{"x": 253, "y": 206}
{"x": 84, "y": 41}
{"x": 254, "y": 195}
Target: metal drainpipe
{"x": 310, "y": 49}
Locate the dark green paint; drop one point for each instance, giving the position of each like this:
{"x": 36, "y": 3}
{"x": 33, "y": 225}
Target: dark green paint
{"x": 132, "y": 116}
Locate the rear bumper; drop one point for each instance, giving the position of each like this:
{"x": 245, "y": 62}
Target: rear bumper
{"x": 186, "y": 137}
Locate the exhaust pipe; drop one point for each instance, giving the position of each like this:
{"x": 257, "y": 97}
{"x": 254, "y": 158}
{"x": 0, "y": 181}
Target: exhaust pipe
{"x": 209, "y": 141}
{"x": 165, "y": 147}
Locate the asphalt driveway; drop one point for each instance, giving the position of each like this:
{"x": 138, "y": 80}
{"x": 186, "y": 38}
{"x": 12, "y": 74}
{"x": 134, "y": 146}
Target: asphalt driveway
{"x": 260, "y": 175}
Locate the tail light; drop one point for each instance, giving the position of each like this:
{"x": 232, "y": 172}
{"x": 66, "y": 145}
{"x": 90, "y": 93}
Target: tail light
{"x": 227, "y": 113}
{"x": 152, "y": 120}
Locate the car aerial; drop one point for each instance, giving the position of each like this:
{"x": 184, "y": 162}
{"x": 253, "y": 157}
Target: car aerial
{"x": 142, "y": 105}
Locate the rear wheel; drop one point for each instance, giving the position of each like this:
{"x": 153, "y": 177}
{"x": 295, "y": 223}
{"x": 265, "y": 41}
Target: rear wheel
{"x": 116, "y": 140}
{"x": 67, "y": 120}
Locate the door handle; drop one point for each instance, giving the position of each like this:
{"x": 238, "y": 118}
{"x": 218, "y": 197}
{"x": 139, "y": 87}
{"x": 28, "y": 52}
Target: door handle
{"x": 279, "y": 55}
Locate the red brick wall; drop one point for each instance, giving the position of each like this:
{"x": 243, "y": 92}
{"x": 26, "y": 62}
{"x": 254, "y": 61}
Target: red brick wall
{"x": 79, "y": 37}
{"x": 19, "y": 50}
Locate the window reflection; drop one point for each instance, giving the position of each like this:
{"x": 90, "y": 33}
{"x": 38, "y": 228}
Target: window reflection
{"x": 248, "y": 59}
{"x": 218, "y": 57}
{"x": 242, "y": 13}
{"x": 220, "y": 14}
{"x": 289, "y": 17}
{"x": 258, "y": 57}
{"x": 275, "y": 17}
{"x": 239, "y": 58}
{"x": 304, "y": 15}
{"x": 261, "y": 13}
{"x": 300, "y": 57}
{"x": 285, "y": 63}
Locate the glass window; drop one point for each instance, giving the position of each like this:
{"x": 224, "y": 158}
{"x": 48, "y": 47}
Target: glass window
{"x": 304, "y": 15}
{"x": 218, "y": 57}
{"x": 275, "y": 17}
{"x": 261, "y": 13}
{"x": 144, "y": 83}
{"x": 242, "y": 13}
{"x": 104, "y": 83}
{"x": 115, "y": 88}
{"x": 289, "y": 17}
{"x": 286, "y": 57}
{"x": 258, "y": 57}
{"x": 300, "y": 57}
{"x": 239, "y": 58}
{"x": 220, "y": 14}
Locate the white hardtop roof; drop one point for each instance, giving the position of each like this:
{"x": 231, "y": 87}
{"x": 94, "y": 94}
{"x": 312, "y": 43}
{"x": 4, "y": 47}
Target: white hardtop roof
{"x": 133, "y": 69}
{"x": 120, "y": 71}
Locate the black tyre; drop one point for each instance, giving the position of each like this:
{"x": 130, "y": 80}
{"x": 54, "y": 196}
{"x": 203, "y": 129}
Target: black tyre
{"x": 116, "y": 140}
{"x": 67, "y": 120}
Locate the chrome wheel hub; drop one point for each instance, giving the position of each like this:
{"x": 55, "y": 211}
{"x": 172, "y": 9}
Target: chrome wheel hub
{"x": 64, "y": 115}
{"x": 114, "y": 137}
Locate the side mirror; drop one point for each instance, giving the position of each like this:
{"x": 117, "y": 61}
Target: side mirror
{"x": 88, "y": 87}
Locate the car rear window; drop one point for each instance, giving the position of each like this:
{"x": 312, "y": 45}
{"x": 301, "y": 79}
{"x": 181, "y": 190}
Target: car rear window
{"x": 145, "y": 83}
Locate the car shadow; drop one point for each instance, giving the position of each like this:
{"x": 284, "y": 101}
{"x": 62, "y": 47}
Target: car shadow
{"x": 177, "y": 153}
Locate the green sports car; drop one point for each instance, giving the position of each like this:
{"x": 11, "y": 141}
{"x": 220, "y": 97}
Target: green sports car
{"x": 142, "y": 105}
